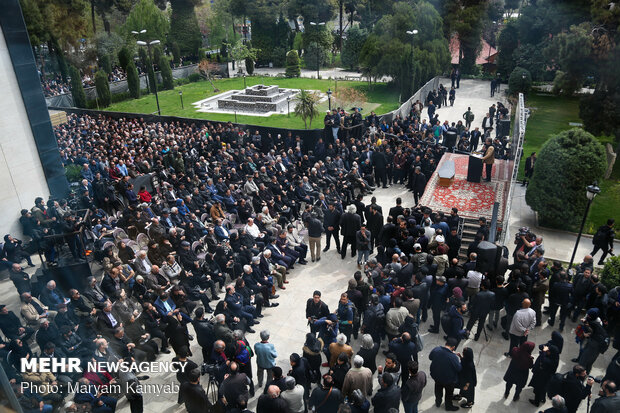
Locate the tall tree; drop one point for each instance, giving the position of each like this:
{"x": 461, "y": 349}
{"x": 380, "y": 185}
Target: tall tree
{"x": 352, "y": 47}
{"x": 77, "y": 88}
{"x": 103, "y": 88}
{"x": 307, "y": 106}
{"x": 184, "y": 28}
{"x": 147, "y": 16}
{"x": 133, "y": 80}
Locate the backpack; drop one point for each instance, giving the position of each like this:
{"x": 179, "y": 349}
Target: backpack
{"x": 446, "y": 323}
{"x": 244, "y": 353}
{"x": 598, "y": 238}
{"x": 555, "y": 384}
{"x": 417, "y": 339}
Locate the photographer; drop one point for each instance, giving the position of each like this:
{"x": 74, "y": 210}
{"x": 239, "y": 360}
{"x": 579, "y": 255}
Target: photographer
{"x": 525, "y": 240}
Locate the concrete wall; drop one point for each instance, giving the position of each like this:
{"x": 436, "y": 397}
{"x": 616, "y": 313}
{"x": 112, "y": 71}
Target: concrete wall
{"x": 21, "y": 173}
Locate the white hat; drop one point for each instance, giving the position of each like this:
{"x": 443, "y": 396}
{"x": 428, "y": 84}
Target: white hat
{"x": 440, "y": 238}
{"x": 417, "y": 246}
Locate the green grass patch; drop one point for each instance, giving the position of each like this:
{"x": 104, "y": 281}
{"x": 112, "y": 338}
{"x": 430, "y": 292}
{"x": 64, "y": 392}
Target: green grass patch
{"x": 551, "y": 115}
{"x": 381, "y": 98}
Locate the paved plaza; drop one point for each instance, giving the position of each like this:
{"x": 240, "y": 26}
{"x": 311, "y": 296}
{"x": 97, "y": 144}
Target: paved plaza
{"x": 287, "y": 322}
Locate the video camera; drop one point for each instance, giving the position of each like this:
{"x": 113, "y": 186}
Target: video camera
{"x": 524, "y": 232}
{"x": 210, "y": 369}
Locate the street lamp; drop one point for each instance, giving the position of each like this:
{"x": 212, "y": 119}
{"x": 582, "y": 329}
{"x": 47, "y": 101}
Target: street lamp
{"x": 318, "y": 54}
{"x": 288, "y": 106}
{"x": 244, "y": 85}
{"x": 148, "y": 47}
{"x": 412, "y": 33}
{"x": 591, "y": 192}
{"x": 329, "y": 98}
{"x": 181, "y": 96}
{"x": 140, "y": 32}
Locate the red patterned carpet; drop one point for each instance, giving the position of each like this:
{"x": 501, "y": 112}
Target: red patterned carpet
{"x": 472, "y": 199}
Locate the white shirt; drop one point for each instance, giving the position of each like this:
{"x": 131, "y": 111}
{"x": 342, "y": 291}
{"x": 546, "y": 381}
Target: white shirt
{"x": 474, "y": 279}
{"x": 147, "y": 267}
{"x": 252, "y": 230}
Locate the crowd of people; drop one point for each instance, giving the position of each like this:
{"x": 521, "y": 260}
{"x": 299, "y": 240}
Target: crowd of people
{"x": 223, "y": 210}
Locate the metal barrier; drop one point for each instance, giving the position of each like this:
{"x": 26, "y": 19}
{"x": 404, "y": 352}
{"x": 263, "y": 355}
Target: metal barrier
{"x": 493, "y": 226}
{"x": 420, "y": 95}
{"x": 516, "y": 152}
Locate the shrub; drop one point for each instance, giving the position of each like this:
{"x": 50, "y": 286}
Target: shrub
{"x": 181, "y": 81}
{"x": 120, "y": 97}
{"x": 314, "y": 51}
{"x": 249, "y": 66}
{"x": 566, "y": 165}
{"x": 176, "y": 52}
{"x": 77, "y": 89}
{"x": 610, "y": 277}
{"x": 166, "y": 72}
{"x": 105, "y": 63}
{"x": 194, "y": 77}
{"x": 278, "y": 57}
{"x": 124, "y": 57}
{"x": 133, "y": 80}
{"x": 293, "y": 68}
{"x": 520, "y": 81}
{"x": 352, "y": 47}
{"x": 103, "y": 88}
{"x": 73, "y": 173}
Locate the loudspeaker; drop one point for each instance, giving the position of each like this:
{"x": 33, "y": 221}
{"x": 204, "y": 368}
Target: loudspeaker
{"x": 69, "y": 276}
{"x": 488, "y": 257}
{"x": 449, "y": 140}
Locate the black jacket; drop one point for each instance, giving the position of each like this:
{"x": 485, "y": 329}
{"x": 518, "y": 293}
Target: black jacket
{"x": 315, "y": 228}
{"x": 331, "y": 219}
{"x": 194, "y": 397}
{"x": 561, "y": 293}
{"x": 574, "y": 391}
{"x": 482, "y": 303}
{"x": 205, "y": 333}
{"x": 350, "y": 224}
{"x": 386, "y": 398}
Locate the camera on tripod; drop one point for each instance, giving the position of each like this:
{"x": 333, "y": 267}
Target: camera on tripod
{"x": 210, "y": 369}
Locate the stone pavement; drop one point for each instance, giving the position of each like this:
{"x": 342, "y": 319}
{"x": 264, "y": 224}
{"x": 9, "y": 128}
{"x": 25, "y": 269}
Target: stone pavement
{"x": 288, "y": 327}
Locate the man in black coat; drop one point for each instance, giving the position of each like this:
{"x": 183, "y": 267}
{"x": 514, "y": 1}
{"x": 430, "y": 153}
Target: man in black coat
{"x": 350, "y": 223}
{"x": 20, "y": 279}
{"x": 604, "y": 240}
{"x": 315, "y": 309}
{"x": 205, "y": 333}
{"x": 11, "y": 326}
{"x": 388, "y": 396}
{"x": 573, "y": 389}
{"x": 193, "y": 395}
{"x": 480, "y": 307}
{"x": 387, "y": 232}
{"x": 374, "y": 224}
{"x": 331, "y": 224}
{"x": 379, "y": 160}
{"x": 560, "y": 296}
{"x": 397, "y": 210}
{"x": 419, "y": 183}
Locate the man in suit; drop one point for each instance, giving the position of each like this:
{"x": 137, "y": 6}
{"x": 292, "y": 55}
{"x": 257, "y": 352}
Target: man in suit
{"x": 350, "y": 223}
{"x": 529, "y": 167}
{"x": 193, "y": 395}
{"x": 374, "y": 222}
{"x": 475, "y": 138}
{"x": 397, "y": 210}
{"x": 331, "y": 224}
{"x": 379, "y": 160}
{"x": 419, "y": 184}
{"x": 488, "y": 158}
{"x": 487, "y": 123}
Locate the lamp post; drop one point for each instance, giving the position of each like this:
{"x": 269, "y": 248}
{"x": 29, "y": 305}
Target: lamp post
{"x": 318, "y": 52}
{"x": 591, "y": 192}
{"x": 329, "y": 98}
{"x": 244, "y": 85}
{"x": 412, "y": 33}
{"x": 288, "y": 106}
{"x": 148, "y": 47}
{"x": 181, "y": 96}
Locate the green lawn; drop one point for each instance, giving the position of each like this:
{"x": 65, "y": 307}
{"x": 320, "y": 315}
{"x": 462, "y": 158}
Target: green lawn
{"x": 381, "y": 99}
{"x": 551, "y": 115}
